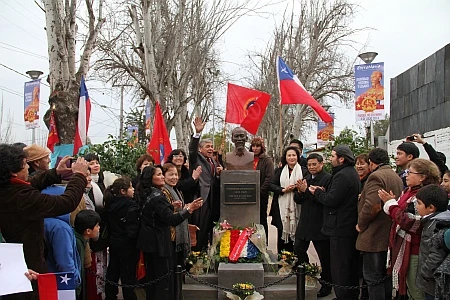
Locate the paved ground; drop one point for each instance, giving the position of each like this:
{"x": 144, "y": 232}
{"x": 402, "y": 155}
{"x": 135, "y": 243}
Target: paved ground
{"x": 311, "y": 251}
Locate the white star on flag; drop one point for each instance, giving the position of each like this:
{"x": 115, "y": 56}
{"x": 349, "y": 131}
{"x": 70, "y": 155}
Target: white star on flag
{"x": 65, "y": 279}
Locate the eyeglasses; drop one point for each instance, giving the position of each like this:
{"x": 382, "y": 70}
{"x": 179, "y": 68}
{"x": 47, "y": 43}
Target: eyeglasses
{"x": 178, "y": 156}
{"x": 408, "y": 171}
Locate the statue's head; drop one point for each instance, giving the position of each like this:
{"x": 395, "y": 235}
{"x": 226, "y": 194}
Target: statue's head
{"x": 239, "y": 137}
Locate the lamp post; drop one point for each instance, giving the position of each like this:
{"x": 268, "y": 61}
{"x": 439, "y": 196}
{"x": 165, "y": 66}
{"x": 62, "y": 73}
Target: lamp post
{"x": 34, "y": 74}
{"x": 368, "y": 57}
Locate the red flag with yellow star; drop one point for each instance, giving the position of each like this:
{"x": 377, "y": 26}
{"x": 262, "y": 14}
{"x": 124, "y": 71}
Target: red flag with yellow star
{"x": 246, "y": 107}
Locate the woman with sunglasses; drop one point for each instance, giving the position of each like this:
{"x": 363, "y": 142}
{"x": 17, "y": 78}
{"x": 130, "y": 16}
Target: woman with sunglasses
{"x": 404, "y": 238}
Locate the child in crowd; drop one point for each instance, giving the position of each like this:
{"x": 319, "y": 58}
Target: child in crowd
{"x": 123, "y": 224}
{"x": 446, "y": 184}
{"x": 87, "y": 226}
{"x": 432, "y": 204}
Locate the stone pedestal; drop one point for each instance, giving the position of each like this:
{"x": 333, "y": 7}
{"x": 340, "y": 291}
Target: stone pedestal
{"x": 229, "y": 274}
{"x": 239, "y": 197}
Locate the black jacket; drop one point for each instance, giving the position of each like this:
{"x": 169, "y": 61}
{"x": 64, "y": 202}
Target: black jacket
{"x": 187, "y": 185}
{"x": 341, "y": 202}
{"x": 432, "y": 154}
{"x": 123, "y": 223}
{"x": 156, "y": 219}
{"x": 311, "y": 216}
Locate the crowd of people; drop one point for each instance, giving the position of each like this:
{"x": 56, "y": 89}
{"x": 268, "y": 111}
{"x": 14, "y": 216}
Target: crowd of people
{"x": 362, "y": 218}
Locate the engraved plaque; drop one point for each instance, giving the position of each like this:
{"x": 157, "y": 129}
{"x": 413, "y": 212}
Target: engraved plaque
{"x": 240, "y": 193}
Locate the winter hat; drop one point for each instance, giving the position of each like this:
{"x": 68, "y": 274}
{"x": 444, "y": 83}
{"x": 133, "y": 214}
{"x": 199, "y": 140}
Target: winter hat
{"x": 409, "y": 148}
{"x": 36, "y": 152}
{"x": 345, "y": 152}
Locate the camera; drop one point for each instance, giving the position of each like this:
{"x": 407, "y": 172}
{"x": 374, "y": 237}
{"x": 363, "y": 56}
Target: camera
{"x": 410, "y": 138}
{"x": 72, "y": 160}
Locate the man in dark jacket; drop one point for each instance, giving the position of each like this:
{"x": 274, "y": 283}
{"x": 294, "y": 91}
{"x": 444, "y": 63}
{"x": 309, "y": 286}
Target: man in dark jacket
{"x": 23, "y": 207}
{"x": 311, "y": 220}
{"x": 340, "y": 216}
{"x": 437, "y": 157}
{"x": 374, "y": 225}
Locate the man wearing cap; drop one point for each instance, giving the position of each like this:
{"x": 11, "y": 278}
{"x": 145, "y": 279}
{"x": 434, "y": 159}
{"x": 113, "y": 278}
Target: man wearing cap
{"x": 406, "y": 152}
{"x": 340, "y": 218}
{"x": 37, "y": 158}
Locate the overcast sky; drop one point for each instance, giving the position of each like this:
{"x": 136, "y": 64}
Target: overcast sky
{"x": 405, "y": 32}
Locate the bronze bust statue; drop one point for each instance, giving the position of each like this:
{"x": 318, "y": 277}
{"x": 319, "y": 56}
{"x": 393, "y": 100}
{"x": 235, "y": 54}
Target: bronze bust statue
{"x": 240, "y": 158}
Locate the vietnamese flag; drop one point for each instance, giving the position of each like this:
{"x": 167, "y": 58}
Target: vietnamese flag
{"x": 53, "y": 137}
{"x": 292, "y": 91}
{"x": 159, "y": 146}
{"x": 246, "y": 107}
{"x": 56, "y": 286}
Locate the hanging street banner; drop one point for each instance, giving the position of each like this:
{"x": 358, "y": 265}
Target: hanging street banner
{"x": 325, "y": 132}
{"x": 148, "y": 116}
{"x": 369, "y": 92}
{"x": 132, "y": 135}
{"x": 31, "y": 95}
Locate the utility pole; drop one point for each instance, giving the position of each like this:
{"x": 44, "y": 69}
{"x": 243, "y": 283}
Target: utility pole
{"x": 121, "y": 117}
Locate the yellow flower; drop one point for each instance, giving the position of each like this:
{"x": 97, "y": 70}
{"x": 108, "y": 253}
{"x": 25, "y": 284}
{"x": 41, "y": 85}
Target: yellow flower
{"x": 225, "y": 244}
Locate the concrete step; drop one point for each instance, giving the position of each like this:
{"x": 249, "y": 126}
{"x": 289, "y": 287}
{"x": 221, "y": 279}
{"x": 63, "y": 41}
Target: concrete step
{"x": 270, "y": 278}
{"x": 287, "y": 292}
{"x": 198, "y": 292}
{"x": 210, "y": 278}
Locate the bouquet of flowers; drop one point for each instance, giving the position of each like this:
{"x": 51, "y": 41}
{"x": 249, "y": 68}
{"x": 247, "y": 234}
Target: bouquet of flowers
{"x": 244, "y": 291}
{"x": 312, "y": 271}
{"x": 286, "y": 260}
{"x": 199, "y": 261}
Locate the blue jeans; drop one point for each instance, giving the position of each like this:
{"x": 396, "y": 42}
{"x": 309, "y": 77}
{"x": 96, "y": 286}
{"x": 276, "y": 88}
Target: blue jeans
{"x": 374, "y": 269}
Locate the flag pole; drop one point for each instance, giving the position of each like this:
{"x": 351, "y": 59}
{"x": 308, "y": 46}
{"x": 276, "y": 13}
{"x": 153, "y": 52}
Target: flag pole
{"x": 280, "y": 137}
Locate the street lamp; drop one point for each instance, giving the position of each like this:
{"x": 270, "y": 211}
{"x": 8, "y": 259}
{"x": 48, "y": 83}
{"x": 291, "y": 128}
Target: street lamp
{"x": 368, "y": 57}
{"x": 34, "y": 74}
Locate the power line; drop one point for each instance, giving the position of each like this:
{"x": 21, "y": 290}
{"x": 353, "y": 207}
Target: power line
{"x": 18, "y": 2}
{"x": 23, "y": 30}
{"x": 21, "y": 13}
{"x": 15, "y": 48}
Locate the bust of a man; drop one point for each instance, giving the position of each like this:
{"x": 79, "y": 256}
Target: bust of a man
{"x": 240, "y": 158}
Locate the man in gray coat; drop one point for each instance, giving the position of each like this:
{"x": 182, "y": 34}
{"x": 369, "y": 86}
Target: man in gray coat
{"x": 200, "y": 154}
{"x": 374, "y": 225}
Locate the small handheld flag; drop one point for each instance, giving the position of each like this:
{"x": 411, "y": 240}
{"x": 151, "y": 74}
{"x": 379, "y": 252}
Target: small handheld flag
{"x": 56, "y": 286}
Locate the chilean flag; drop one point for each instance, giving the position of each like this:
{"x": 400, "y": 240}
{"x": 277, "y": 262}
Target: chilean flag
{"x": 159, "y": 146}
{"x": 292, "y": 91}
{"x": 84, "y": 113}
{"x": 56, "y": 286}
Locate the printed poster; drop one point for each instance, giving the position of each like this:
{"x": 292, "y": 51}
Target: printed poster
{"x": 369, "y": 92}
{"x": 31, "y": 95}
{"x": 325, "y": 132}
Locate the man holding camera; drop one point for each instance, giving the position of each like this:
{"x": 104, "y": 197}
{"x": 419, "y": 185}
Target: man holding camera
{"x": 437, "y": 157}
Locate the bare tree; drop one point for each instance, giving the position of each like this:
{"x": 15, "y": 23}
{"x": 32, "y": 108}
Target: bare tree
{"x": 313, "y": 42}
{"x": 166, "y": 49}
{"x": 62, "y": 34}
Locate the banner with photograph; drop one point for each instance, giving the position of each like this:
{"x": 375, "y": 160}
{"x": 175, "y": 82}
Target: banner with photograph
{"x": 325, "y": 132}
{"x": 148, "y": 116}
{"x": 132, "y": 135}
{"x": 369, "y": 92}
{"x": 31, "y": 98}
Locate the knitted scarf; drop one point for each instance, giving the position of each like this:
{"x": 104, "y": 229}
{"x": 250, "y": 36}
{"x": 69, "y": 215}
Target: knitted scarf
{"x": 288, "y": 209}
{"x": 182, "y": 239}
{"x": 399, "y": 252}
